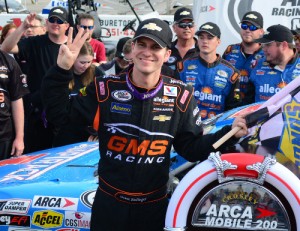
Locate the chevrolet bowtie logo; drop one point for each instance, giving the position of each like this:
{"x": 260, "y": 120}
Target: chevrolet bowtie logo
{"x": 152, "y": 26}
{"x": 59, "y": 11}
{"x": 185, "y": 13}
{"x": 207, "y": 27}
{"x": 251, "y": 16}
{"x": 162, "y": 118}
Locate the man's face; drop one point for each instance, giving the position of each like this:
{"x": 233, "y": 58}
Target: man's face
{"x": 207, "y": 43}
{"x": 35, "y": 29}
{"x": 185, "y": 29}
{"x": 250, "y": 32}
{"x": 297, "y": 41}
{"x": 87, "y": 25}
{"x": 56, "y": 26}
{"x": 149, "y": 56}
{"x": 273, "y": 52}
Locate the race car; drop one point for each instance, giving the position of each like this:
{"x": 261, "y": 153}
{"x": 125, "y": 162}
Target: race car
{"x": 255, "y": 186}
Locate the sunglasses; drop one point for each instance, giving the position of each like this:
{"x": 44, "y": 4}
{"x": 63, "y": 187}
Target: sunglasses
{"x": 56, "y": 20}
{"x": 185, "y": 24}
{"x": 250, "y": 27}
{"x": 87, "y": 27}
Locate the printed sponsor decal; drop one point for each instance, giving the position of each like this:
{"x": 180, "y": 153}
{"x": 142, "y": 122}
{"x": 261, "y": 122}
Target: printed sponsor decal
{"x": 184, "y": 96}
{"x": 77, "y": 219}
{"x": 51, "y": 202}
{"x": 14, "y": 206}
{"x": 170, "y": 91}
{"x": 222, "y": 73}
{"x": 14, "y": 220}
{"x": 122, "y": 95}
{"x": 67, "y": 229}
{"x": 21, "y": 159}
{"x": 47, "y": 219}
{"x": 87, "y": 198}
{"x": 121, "y": 108}
{"x": 26, "y": 229}
{"x": 161, "y": 118}
{"x": 102, "y": 88}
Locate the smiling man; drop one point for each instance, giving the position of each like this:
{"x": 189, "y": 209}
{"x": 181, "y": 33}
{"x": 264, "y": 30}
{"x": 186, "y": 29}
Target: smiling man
{"x": 143, "y": 113}
{"x": 40, "y": 53}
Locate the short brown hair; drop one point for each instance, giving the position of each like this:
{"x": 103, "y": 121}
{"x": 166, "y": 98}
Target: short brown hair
{"x": 5, "y": 30}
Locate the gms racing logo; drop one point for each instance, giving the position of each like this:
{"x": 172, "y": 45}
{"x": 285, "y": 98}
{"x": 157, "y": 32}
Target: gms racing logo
{"x": 126, "y": 145}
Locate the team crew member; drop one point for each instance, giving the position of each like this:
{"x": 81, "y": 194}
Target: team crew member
{"x": 37, "y": 27}
{"x": 280, "y": 65}
{"x": 142, "y": 114}
{"x": 214, "y": 79}
{"x": 242, "y": 55}
{"x": 296, "y": 34}
{"x": 13, "y": 87}
{"x": 40, "y": 53}
{"x": 186, "y": 44}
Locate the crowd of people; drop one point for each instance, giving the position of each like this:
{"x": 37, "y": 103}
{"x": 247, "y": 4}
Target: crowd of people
{"x": 58, "y": 90}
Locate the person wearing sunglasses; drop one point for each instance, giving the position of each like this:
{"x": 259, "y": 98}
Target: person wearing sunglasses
{"x": 216, "y": 81}
{"x": 296, "y": 34}
{"x": 186, "y": 44}
{"x": 87, "y": 22}
{"x": 40, "y": 53}
{"x": 242, "y": 55}
{"x": 122, "y": 59}
{"x": 280, "y": 65}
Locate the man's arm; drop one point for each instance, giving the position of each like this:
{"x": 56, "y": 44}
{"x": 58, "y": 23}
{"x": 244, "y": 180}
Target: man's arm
{"x": 10, "y": 44}
{"x": 18, "y": 118}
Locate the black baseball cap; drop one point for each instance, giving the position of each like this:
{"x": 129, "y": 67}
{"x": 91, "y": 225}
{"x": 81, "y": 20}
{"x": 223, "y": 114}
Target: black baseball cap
{"x": 183, "y": 13}
{"x": 276, "y": 33}
{"x": 120, "y": 45}
{"x": 210, "y": 28}
{"x": 254, "y": 18}
{"x": 155, "y": 29}
{"x": 59, "y": 12}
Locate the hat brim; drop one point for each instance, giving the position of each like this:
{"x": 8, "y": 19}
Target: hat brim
{"x": 200, "y": 31}
{"x": 185, "y": 19}
{"x": 57, "y": 16}
{"x": 254, "y": 23}
{"x": 152, "y": 37}
{"x": 263, "y": 40}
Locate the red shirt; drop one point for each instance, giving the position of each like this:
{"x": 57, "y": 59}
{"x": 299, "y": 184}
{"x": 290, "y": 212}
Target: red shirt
{"x": 99, "y": 50}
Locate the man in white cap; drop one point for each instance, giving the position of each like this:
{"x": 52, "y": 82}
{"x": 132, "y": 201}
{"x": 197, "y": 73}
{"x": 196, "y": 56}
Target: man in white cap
{"x": 143, "y": 113}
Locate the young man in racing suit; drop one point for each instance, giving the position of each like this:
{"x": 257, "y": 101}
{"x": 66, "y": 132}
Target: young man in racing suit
{"x": 142, "y": 114}
{"x": 242, "y": 55}
{"x": 280, "y": 65}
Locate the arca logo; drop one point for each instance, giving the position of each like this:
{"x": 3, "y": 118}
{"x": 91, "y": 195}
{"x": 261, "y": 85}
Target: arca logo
{"x": 63, "y": 203}
{"x": 132, "y": 146}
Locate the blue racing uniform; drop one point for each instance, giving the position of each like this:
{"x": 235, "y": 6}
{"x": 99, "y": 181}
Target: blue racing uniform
{"x": 244, "y": 63}
{"x": 268, "y": 79}
{"x": 216, "y": 84}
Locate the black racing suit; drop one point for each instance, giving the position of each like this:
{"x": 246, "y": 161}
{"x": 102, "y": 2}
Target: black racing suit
{"x": 136, "y": 133}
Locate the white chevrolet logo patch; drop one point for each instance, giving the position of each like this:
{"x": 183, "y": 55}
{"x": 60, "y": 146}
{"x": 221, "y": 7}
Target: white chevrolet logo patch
{"x": 162, "y": 118}
{"x": 207, "y": 27}
{"x": 185, "y": 13}
{"x": 59, "y": 11}
{"x": 251, "y": 16}
{"x": 152, "y": 26}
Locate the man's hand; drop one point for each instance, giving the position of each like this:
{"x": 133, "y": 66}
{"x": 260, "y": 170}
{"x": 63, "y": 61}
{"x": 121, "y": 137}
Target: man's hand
{"x": 68, "y": 53}
{"x": 241, "y": 123}
{"x": 28, "y": 21}
{"x": 17, "y": 147}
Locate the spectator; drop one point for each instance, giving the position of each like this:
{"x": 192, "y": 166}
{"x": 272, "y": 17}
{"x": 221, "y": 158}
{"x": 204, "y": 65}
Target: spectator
{"x": 296, "y": 34}
{"x": 40, "y": 53}
{"x": 37, "y": 27}
{"x": 6, "y": 31}
{"x": 215, "y": 80}
{"x": 121, "y": 59}
{"x": 142, "y": 114}
{"x": 13, "y": 87}
{"x": 86, "y": 21}
{"x": 84, "y": 73}
{"x": 242, "y": 55}
{"x": 280, "y": 64}
{"x": 186, "y": 44}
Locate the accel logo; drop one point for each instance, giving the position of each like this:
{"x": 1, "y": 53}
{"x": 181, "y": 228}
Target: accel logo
{"x": 47, "y": 219}
{"x": 132, "y": 146}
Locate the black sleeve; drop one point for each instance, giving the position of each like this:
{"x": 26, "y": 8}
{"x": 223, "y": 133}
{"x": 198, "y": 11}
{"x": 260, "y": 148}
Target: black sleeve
{"x": 60, "y": 110}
